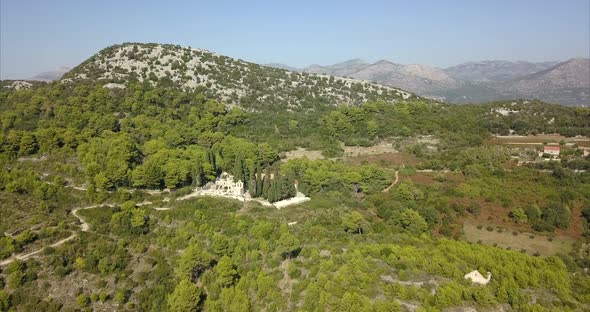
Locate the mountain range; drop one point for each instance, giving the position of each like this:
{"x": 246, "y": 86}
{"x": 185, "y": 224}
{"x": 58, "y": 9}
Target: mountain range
{"x": 566, "y": 83}
{"x": 232, "y": 80}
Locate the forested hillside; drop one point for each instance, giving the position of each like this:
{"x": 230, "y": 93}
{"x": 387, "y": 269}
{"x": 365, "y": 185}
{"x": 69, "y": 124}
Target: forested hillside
{"x": 95, "y": 171}
{"x": 230, "y": 80}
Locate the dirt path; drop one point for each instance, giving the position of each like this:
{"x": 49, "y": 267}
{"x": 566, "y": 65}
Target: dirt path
{"x": 25, "y": 256}
{"x": 84, "y": 227}
{"x": 393, "y": 183}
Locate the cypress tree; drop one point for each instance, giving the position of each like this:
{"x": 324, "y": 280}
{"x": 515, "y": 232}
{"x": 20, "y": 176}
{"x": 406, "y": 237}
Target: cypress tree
{"x": 238, "y": 170}
{"x": 285, "y": 187}
{"x": 198, "y": 175}
{"x": 266, "y": 183}
{"x": 272, "y": 191}
{"x": 277, "y": 188}
{"x": 211, "y": 160}
{"x": 252, "y": 188}
{"x": 258, "y": 181}
{"x": 292, "y": 189}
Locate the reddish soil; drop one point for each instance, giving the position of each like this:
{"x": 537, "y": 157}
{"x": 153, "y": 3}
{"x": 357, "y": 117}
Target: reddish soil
{"x": 383, "y": 160}
{"x": 576, "y": 228}
{"x": 496, "y": 215}
{"x": 451, "y": 180}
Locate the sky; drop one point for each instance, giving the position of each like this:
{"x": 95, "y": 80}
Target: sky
{"x": 41, "y": 35}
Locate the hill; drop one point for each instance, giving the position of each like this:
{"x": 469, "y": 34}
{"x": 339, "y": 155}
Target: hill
{"x": 230, "y": 80}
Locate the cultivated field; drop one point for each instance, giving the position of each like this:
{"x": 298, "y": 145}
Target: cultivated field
{"x": 349, "y": 151}
{"x": 538, "y": 139}
{"x": 506, "y": 239}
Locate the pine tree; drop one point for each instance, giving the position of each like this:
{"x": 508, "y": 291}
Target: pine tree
{"x": 226, "y": 272}
{"x": 185, "y": 297}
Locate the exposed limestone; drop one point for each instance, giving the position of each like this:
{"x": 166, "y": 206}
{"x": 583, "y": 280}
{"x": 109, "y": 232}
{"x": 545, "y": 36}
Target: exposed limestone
{"x": 477, "y": 278}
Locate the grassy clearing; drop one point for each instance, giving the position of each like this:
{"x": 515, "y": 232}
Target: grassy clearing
{"x": 302, "y": 152}
{"x": 384, "y": 147}
{"x": 385, "y": 160}
{"x": 537, "y": 245}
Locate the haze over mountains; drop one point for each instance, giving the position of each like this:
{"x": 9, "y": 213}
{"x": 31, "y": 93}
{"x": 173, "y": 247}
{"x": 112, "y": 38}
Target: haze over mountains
{"x": 566, "y": 83}
{"x": 51, "y": 75}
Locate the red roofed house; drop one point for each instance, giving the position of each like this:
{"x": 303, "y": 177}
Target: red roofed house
{"x": 552, "y": 150}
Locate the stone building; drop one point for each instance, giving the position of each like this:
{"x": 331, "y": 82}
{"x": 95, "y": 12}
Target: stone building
{"x": 225, "y": 185}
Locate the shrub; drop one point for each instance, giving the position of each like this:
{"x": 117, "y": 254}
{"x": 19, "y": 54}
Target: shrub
{"x": 82, "y": 300}
{"x": 293, "y": 271}
{"x": 121, "y": 296}
{"x": 474, "y": 208}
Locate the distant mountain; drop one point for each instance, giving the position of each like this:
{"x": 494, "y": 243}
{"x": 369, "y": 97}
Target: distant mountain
{"x": 565, "y": 83}
{"x": 281, "y": 66}
{"x": 51, "y": 75}
{"x": 344, "y": 69}
{"x": 496, "y": 70}
{"x": 421, "y": 79}
{"x": 233, "y": 81}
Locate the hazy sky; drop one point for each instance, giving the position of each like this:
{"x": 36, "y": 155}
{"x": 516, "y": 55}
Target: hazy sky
{"x": 42, "y": 35}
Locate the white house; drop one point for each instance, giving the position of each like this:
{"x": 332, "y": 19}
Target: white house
{"x": 225, "y": 185}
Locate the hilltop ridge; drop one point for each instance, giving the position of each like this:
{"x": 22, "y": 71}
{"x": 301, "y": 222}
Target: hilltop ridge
{"x": 231, "y": 80}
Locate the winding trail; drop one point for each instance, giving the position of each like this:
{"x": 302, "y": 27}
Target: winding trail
{"x": 392, "y": 183}
{"x": 25, "y": 256}
{"x": 84, "y": 227}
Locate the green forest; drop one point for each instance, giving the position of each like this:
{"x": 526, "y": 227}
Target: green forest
{"x": 107, "y": 170}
